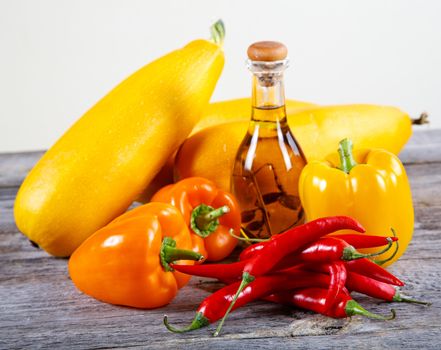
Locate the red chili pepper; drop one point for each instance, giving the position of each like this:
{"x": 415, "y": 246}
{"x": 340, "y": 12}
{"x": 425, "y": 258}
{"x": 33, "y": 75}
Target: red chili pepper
{"x": 223, "y": 272}
{"x": 232, "y": 272}
{"x": 376, "y": 289}
{"x": 337, "y": 281}
{"x": 286, "y": 243}
{"x": 215, "y": 305}
{"x": 365, "y": 241}
{"x": 357, "y": 241}
{"x": 327, "y": 249}
{"x": 368, "y": 268}
{"x": 252, "y": 249}
{"x": 314, "y": 299}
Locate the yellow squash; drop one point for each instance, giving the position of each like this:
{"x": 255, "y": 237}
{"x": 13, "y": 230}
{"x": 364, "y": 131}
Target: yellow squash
{"x": 210, "y": 153}
{"x": 368, "y": 185}
{"x": 215, "y": 114}
{"x": 103, "y": 162}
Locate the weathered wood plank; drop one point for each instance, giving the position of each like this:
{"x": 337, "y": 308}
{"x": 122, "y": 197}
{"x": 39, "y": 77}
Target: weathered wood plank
{"x": 423, "y": 147}
{"x": 15, "y": 166}
{"x": 59, "y": 309}
{"x": 40, "y": 307}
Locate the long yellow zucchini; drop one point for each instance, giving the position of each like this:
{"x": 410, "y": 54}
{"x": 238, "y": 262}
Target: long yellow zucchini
{"x": 104, "y": 161}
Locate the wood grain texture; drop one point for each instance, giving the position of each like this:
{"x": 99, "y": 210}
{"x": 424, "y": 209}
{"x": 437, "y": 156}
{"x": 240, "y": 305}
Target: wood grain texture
{"x": 40, "y": 308}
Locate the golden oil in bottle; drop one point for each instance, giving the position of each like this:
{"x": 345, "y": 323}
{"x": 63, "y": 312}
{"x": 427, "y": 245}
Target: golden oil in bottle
{"x": 269, "y": 160}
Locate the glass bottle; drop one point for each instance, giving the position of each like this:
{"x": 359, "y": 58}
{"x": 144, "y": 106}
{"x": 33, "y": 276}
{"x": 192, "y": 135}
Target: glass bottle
{"x": 269, "y": 160}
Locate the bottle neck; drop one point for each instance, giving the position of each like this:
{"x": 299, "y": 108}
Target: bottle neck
{"x": 268, "y": 93}
{"x": 268, "y": 96}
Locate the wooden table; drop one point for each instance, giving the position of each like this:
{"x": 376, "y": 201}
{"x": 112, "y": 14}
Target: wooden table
{"x": 40, "y": 307}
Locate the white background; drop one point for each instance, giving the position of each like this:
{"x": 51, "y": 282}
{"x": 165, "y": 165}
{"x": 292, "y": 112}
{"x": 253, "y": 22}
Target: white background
{"x": 58, "y": 57}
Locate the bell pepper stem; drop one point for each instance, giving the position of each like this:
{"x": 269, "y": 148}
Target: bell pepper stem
{"x": 347, "y": 161}
{"x": 214, "y": 214}
{"x": 353, "y": 308}
{"x": 349, "y": 253}
{"x": 246, "y": 280}
{"x": 169, "y": 253}
{"x": 204, "y": 219}
{"x": 199, "y": 321}
{"x": 218, "y": 32}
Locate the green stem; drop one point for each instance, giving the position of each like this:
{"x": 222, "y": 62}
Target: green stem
{"x": 397, "y": 247}
{"x": 404, "y": 299}
{"x": 218, "y": 32}
{"x": 353, "y": 308}
{"x": 349, "y": 253}
{"x": 199, "y": 321}
{"x": 246, "y": 239}
{"x": 347, "y": 161}
{"x": 246, "y": 280}
{"x": 213, "y": 215}
{"x": 169, "y": 253}
{"x": 204, "y": 219}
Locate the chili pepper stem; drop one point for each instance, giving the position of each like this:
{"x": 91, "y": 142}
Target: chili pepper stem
{"x": 240, "y": 238}
{"x": 353, "y": 308}
{"x": 397, "y": 247}
{"x": 347, "y": 161}
{"x": 404, "y": 299}
{"x": 246, "y": 279}
{"x": 169, "y": 253}
{"x": 205, "y": 219}
{"x": 199, "y": 321}
{"x": 349, "y": 253}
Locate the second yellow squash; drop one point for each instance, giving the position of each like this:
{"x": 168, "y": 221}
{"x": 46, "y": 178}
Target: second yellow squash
{"x": 210, "y": 152}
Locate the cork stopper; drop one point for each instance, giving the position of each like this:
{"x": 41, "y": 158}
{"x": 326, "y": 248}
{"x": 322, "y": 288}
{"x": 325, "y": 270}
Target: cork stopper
{"x": 267, "y": 51}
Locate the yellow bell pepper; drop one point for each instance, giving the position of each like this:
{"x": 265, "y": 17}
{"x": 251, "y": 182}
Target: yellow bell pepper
{"x": 368, "y": 185}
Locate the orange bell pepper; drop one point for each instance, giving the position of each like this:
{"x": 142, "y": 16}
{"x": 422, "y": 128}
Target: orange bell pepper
{"x": 209, "y": 212}
{"x": 127, "y": 261}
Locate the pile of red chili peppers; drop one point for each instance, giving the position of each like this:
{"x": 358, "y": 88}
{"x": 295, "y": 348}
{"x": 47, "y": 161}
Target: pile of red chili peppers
{"x": 303, "y": 267}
